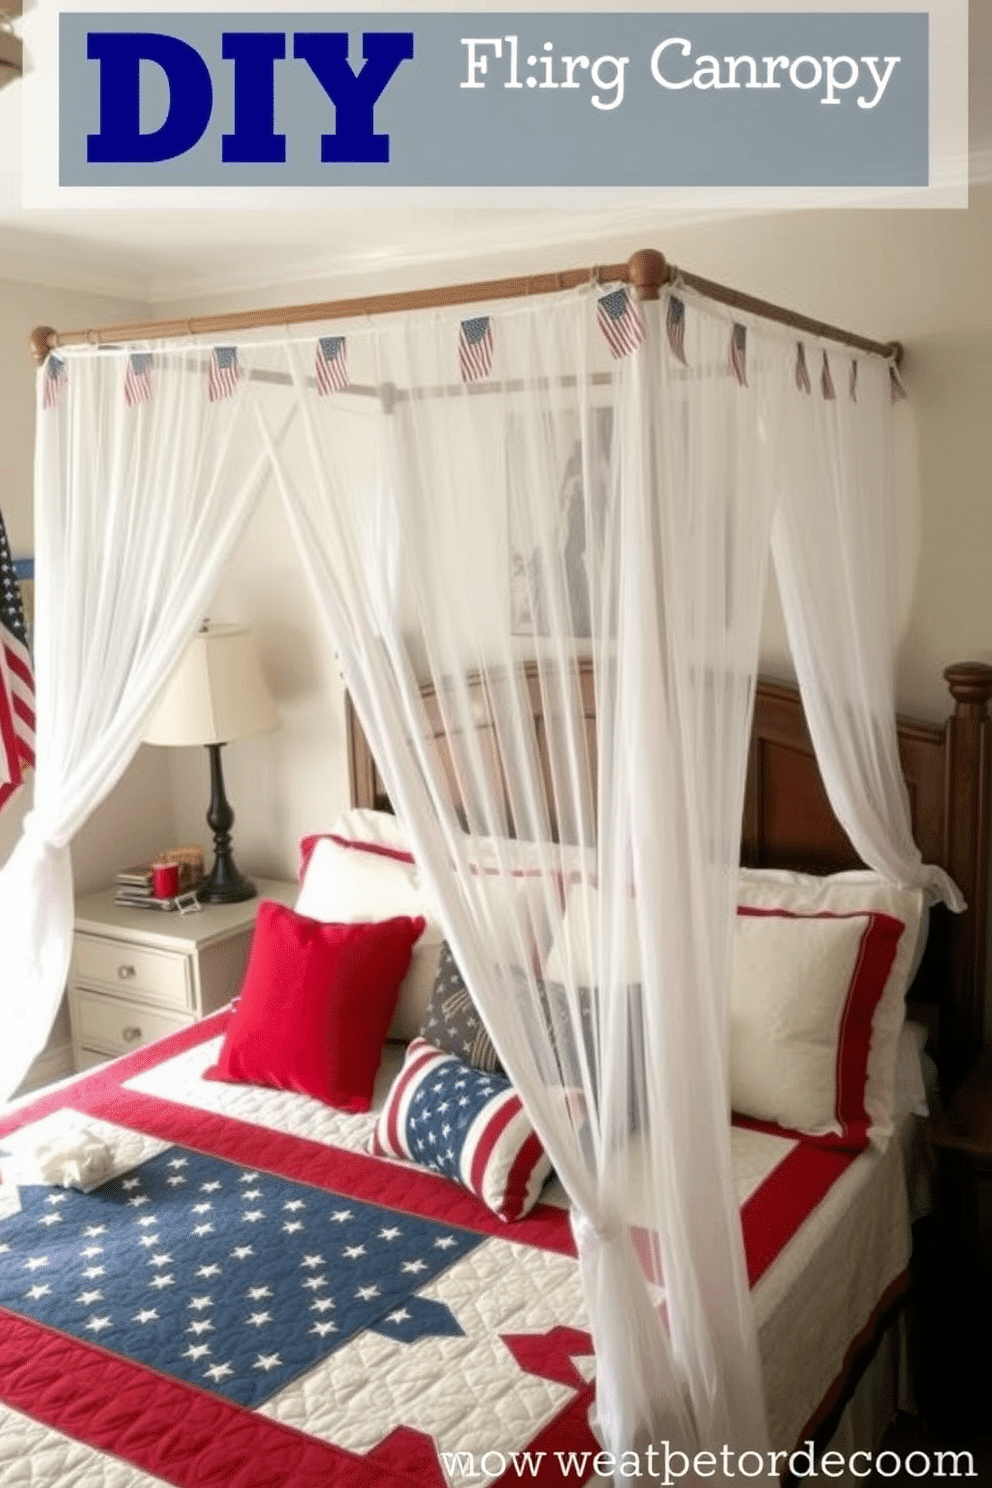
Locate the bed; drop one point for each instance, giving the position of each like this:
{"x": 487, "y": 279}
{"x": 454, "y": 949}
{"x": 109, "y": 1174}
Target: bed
{"x": 254, "y": 1298}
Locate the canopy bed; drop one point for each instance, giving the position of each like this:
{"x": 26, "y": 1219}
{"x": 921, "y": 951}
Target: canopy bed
{"x": 539, "y": 539}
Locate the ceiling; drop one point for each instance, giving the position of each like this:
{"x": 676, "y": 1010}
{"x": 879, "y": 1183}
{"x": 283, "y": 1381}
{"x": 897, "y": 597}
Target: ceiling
{"x": 162, "y": 256}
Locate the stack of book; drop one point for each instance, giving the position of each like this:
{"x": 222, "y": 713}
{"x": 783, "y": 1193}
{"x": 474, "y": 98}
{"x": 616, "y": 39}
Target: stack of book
{"x": 136, "y": 885}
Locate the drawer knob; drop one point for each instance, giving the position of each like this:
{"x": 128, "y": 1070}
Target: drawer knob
{"x": 130, "y": 1034}
{"x": 126, "y": 973}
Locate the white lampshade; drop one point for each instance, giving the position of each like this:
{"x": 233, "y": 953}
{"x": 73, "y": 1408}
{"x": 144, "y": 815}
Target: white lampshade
{"x": 217, "y": 693}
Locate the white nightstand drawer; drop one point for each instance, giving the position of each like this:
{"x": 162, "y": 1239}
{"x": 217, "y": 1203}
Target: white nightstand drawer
{"x": 107, "y": 1023}
{"x": 132, "y": 968}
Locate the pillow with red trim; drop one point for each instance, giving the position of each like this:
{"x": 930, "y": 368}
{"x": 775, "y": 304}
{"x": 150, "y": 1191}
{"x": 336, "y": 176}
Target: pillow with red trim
{"x": 315, "y": 1005}
{"x": 858, "y": 892}
{"x": 804, "y": 991}
{"x": 377, "y": 832}
{"x": 466, "y": 1124}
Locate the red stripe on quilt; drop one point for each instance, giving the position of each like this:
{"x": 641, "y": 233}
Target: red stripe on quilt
{"x": 163, "y": 1426}
{"x": 789, "y": 1194}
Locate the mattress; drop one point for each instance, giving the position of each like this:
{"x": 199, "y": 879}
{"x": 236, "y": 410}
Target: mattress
{"x": 254, "y": 1300}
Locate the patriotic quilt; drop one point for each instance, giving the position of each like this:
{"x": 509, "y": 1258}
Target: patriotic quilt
{"x": 255, "y": 1301}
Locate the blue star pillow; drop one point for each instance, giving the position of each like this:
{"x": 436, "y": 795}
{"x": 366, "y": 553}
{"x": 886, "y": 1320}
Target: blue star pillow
{"x": 468, "y": 1124}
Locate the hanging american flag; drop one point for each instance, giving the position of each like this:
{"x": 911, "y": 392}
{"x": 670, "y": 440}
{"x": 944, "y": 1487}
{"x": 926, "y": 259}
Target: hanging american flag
{"x": 620, "y": 321}
{"x": 675, "y": 326}
{"x": 802, "y": 371}
{"x": 826, "y": 380}
{"x": 331, "y": 365}
{"x": 53, "y": 381}
{"x": 138, "y": 378}
{"x": 16, "y": 681}
{"x": 475, "y": 348}
{"x": 737, "y": 354}
{"x": 852, "y": 382}
{"x": 224, "y": 373}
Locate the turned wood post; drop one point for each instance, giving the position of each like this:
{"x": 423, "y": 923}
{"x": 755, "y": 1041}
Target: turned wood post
{"x": 39, "y": 343}
{"x": 968, "y": 777}
{"x": 648, "y": 271}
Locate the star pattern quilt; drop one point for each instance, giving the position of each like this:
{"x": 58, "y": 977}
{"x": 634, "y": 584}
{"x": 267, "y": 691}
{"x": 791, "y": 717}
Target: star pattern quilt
{"x": 256, "y": 1301}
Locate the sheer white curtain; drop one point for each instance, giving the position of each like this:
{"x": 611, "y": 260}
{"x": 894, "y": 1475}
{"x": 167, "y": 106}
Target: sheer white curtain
{"x": 482, "y": 535}
{"x": 142, "y": 485}
{"x": 835, "y": 541}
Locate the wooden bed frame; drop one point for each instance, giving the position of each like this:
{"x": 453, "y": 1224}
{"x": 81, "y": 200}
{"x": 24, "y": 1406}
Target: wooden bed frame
{"x": 788, "y": 823}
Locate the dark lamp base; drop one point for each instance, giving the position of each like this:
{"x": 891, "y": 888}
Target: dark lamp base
{"x": 224, "y": 884}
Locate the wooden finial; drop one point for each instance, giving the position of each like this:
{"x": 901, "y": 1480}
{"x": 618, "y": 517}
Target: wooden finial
{"x": 971, "y": 686}
{"x": 40, "y": 342}
{"x": 648, "y": 272}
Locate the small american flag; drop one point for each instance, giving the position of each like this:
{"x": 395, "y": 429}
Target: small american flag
{"x": 331, "y": 365}
{"x": 138, "y": 378}
{"x": 737, "y": 354}
{"x": 675, "y": 326}
{"x": 852, "y": 382}
{"x": 224, "y": 373}
{"x": 826, "y": 380}
{"x": 16, "y": 681}
{"x": 53, "y": 381}
{"x": 475, "y": 348}
{"x": 802, "y": 371}
{"x": 620, "y": 321}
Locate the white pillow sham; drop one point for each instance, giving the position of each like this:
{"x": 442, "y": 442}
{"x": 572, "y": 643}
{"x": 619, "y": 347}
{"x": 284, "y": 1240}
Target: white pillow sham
{"x": 860, "y": 893}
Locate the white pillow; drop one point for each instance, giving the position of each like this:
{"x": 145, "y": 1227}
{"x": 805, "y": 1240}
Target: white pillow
{"x": 573, "y": 956}
{"x": 859, "y": 893}
{"x": 346, "y": 885}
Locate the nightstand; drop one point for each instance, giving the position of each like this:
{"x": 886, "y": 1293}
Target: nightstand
{"x": 138, "y": 974}
{"x": 963, "y": 1139}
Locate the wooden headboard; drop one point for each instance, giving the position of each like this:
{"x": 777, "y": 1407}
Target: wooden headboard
{"x": 788, "y": 823}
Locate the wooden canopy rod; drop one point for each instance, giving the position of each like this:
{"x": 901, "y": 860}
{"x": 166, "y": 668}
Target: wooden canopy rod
{"x": 647, "y": 270}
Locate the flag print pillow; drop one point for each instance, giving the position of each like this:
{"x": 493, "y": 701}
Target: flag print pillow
{"x": 467, "y": 1124}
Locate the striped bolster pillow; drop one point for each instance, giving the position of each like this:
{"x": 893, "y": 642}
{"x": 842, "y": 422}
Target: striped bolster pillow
{"x": 467, "y": 1124}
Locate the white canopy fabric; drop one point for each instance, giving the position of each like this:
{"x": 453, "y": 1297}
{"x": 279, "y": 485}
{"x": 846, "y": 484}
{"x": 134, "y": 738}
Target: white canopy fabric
{"x": 479, "y": 503}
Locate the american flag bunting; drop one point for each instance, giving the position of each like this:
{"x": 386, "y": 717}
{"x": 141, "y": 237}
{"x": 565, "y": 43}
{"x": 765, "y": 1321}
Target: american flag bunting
{"x": 621, "y": 322}
{"x": 475, "y": 348}
{"x": 802, "y": 371}
{"x": 53, "y": 381}
{"x": 737, "y": 354}
{"x": 675, "y": 327}
{"x": 16, "y": 681}
{"x": 331, "y": 365}
{"x": 224, "y": 373}
{"x": 826, "y": 380}
{"x": 138, "y": 378}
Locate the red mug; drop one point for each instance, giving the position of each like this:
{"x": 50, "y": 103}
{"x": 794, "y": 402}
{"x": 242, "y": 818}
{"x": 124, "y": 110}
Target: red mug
{"x": 165, "y": 880}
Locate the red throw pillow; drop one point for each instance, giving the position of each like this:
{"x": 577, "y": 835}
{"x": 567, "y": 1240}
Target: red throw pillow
{"x": 315, "y": 1005}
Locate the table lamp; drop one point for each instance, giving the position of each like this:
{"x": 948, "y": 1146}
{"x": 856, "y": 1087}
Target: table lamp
{"x": 216, "y": 694}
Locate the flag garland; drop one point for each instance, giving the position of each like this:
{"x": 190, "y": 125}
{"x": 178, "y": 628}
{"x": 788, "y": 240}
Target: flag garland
{"x": 138, "y": 378}
{"x": 675, "y": 327}
{"x": 802, "y": 371}
{"x": 737, "y": 354}
{"x": 224, "y": 373}
{"x": 331, "y": 365}
{"x": 621, "y": 322}
{"x": 475, "y": 348}
{"x": 16, "y": 681}
{"x": 53, "y": 382}
{"x": 826, "y": 380}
